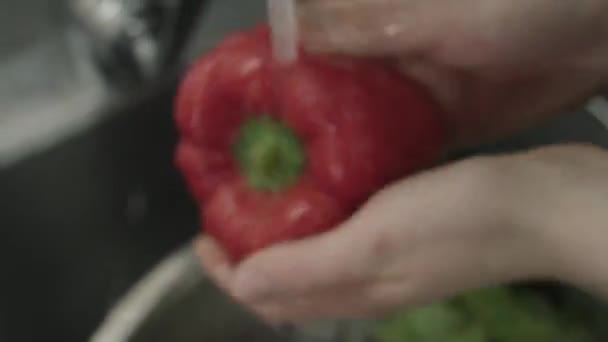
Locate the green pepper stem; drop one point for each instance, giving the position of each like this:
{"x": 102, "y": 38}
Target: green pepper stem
{"x": 269, "y": 153}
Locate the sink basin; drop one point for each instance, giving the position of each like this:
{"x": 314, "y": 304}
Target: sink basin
{"x": 85, "y": 218}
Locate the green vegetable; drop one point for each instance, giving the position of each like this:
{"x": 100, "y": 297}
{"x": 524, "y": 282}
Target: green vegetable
{"x": 487, "y": 315}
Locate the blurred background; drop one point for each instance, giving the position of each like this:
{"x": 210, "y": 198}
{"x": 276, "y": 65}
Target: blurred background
{"x": 89, "y": 199}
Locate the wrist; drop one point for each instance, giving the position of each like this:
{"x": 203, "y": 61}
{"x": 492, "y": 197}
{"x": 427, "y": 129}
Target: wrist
{"x": 568, "y": 211}
{"x": 523, "y": 248}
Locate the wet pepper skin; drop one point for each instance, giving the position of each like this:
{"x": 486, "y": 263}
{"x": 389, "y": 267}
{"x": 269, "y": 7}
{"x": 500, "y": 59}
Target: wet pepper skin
{"x": 361, "y": 123}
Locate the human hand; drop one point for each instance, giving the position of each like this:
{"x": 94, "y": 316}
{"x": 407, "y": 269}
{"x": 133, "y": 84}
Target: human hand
{"x": 475, "y": 223}
{"x": 497, "y": 66}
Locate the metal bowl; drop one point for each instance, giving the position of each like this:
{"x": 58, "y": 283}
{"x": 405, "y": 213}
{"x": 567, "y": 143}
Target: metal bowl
{"x": 177, "y": 302}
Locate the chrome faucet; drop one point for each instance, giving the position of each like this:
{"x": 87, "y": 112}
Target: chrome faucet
{"x": 135, "y": 41}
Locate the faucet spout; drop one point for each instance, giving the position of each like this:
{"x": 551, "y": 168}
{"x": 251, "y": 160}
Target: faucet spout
{"x": 135, "y": 41}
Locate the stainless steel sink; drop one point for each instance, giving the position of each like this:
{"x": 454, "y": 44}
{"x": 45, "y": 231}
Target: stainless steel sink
{"x": 90, "y": 201}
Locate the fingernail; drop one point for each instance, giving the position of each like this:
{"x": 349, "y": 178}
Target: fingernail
{"x": 251, "y": 286}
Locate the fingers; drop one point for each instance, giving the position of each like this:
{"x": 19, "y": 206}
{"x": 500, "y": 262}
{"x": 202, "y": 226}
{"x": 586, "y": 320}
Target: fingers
{"x": 334, "y": 259}
{"x": 343, "y": 303}
{"x": 347, "y": 272}
{"x": 355, "y": 302}
{"x": 214, "y": 261}
{"x": 446, "y": 84}
{"x": 368, "y": 27}
{"x": 325, "y": 276}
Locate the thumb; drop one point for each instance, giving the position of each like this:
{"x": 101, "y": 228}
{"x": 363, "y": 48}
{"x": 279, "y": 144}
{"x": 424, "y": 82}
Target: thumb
{"x": 370, "y": 27}
{"x": 333, "y": 259}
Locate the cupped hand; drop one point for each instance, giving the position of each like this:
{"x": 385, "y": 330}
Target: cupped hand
{"x": 403, "y": 248}
{"x": 475, "y": 223}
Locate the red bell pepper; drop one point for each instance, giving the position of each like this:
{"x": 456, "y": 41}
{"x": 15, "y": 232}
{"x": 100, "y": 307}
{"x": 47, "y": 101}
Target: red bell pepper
{"x": 276, "y": 153}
